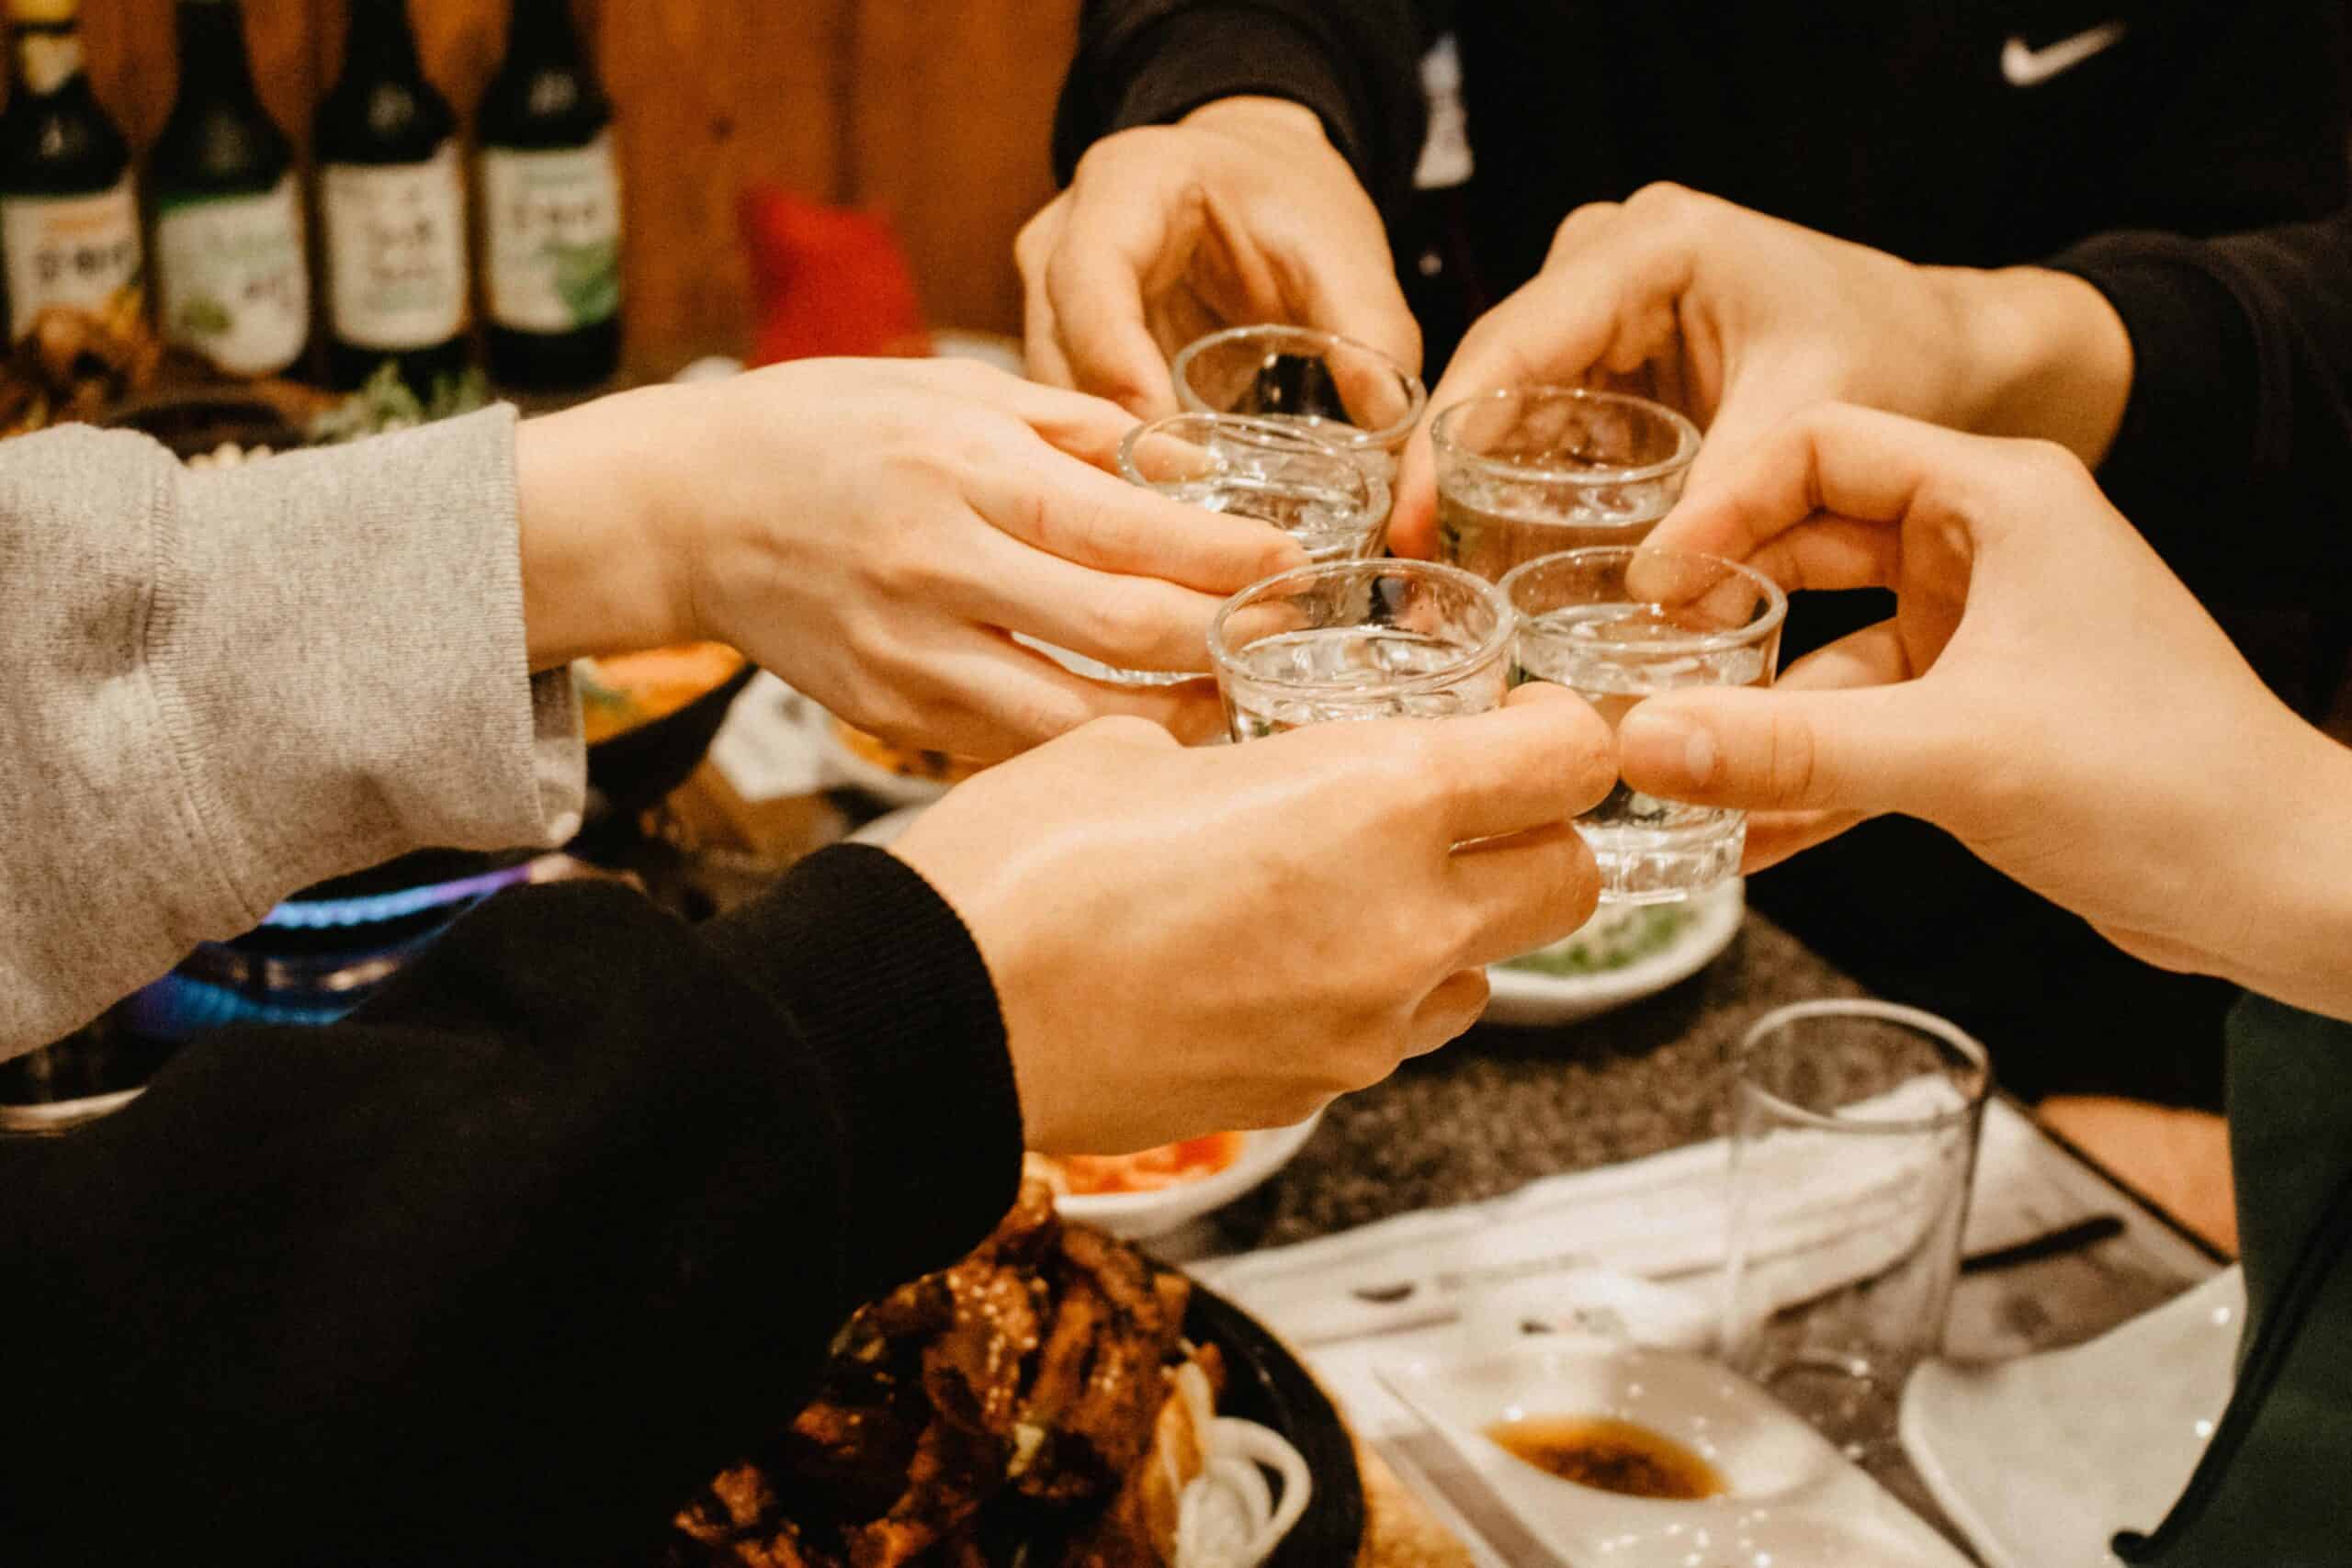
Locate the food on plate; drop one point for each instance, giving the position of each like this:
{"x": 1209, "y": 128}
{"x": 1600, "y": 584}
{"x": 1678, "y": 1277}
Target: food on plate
{"x": 623, "y": 691}
{"x": 937, "y": 767}
{"x": 1617, "y": 936}
{"x": 385, "y": 404}
{"x": 75, "y": 364}
{"x": 1037, "y": 1400}
{"x": 1170, "y": 1164}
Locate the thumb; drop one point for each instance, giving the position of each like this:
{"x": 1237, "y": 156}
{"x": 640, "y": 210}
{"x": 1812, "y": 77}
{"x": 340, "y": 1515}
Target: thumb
{"x": 1760, "y": 750}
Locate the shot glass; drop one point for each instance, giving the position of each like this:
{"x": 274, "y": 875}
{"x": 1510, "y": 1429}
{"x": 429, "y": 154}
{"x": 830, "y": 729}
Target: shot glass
{"x": 1854, "y": 1128}
{"x": 1533, "y": 471}
{"x": 1359, "y": 639}
{"x": 1348, "y": 393}
{"x": 1615, "y": 624}
{"x": 1278, "y": 473}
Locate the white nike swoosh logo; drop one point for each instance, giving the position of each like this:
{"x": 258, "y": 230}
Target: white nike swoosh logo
{"x": 2023, "y": 66}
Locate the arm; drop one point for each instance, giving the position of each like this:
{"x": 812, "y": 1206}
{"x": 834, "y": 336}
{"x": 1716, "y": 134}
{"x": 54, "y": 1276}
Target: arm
{"x": 226, "y": 686}
{"x": 505, "y": 1265}
{"x": 2241, "y": 398}
{"x": 2047, "y": 691}
{"x": 1355, "y": 63}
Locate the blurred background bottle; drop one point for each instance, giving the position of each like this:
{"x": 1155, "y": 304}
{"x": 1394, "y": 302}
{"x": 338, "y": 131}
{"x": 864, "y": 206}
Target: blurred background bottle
{"x": 233, "y": 280}
{"x": 391, "y": 200}
{"x": 551, "y": 215}
{"x": 69, "y": 219}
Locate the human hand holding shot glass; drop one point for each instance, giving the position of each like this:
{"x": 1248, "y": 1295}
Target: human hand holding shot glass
{"x": 1854, "y": 1128}
{"x": 1616, "y": 624}
{"x": 1345, "y": 392}
{"x": 1533, "y": 471}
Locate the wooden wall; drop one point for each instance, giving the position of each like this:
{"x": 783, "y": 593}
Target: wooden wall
{"x": 935, "y": 111}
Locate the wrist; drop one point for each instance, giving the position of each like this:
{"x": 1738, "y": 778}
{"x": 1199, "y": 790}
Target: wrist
{"x": 1252, "y": 115}
{"x": 2296, "y": 943}
{"x": 605, "y": 563}
{"x": 2045, "y": 355}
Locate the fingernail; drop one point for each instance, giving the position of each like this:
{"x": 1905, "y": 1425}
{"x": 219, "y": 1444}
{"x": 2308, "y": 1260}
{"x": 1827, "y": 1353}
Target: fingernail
{"x": 1665, "y": 743}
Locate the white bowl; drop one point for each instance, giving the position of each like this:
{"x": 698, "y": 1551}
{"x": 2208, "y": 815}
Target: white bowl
{"x": 1525, "y": 997}
{"x": 1140, "y": 1216}
{"x": 1792, "y": 1500}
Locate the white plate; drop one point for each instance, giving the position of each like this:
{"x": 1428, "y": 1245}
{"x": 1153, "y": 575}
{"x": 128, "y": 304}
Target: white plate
{"x": 1141, "y": 1216}
{"x": 1792, "y": 1500}
{"x": 1522, "y": 996}
{"x": 2041, "y": 1460}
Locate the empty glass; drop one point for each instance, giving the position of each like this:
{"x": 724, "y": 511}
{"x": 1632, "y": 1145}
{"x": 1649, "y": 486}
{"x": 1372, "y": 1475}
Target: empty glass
{"x": 1618, "y": 625}
{"x": 1533, "y": 471}
{"x": 1853, "y": 1137}
{"x": 1359, "y": 639}
{"x": 1348, "y": 392}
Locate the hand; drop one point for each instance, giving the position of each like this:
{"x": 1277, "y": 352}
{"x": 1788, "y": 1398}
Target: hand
{"x": 1189, "y": 941}
{"x": 872, "y": 531}
{"x": 1743, "y": 320}
{"x": 1243, "y": 212}
{"x": 2047, "y": 692}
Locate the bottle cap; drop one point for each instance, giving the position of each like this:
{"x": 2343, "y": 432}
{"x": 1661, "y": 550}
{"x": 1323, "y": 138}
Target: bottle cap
{"x": 50, "y": 11}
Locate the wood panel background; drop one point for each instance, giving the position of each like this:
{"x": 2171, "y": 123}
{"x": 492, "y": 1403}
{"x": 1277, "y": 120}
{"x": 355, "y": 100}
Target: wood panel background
{"x": 935, "y": 112}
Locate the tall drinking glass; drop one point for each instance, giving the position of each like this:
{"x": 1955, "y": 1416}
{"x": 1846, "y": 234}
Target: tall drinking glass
{"x": 1854, "y": 1129}
{"x": 1618, "y": 625}
{"x": 1347, "y": 392}
{"x": 1359, "y": 639}
{"x": 1533, "y": 471}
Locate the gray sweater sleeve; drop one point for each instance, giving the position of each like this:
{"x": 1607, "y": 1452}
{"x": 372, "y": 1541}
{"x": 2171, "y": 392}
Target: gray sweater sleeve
{"x": 222, "y": 686}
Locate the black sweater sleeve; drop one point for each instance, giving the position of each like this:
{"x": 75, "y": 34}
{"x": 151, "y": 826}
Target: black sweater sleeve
{"x": 504, "y": 1267}
{"x": 1355, "y": 62}
{"x": 2235, "y": 450}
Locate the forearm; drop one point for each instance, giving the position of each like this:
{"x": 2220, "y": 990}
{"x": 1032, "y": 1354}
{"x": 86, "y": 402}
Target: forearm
{"x": 2293, "y": 869}
{"x": 506, "y": 1265}
{"x": 1355, "y": 63}
{"x": 225, "y": 686}
{"x": 2051, "y": 358}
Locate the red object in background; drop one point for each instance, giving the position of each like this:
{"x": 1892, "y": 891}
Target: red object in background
{"x": 826, "y": 280}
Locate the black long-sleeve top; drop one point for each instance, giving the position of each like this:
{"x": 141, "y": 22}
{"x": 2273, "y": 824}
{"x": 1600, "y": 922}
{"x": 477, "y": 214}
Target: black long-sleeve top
{"x": 504, "y": 1266}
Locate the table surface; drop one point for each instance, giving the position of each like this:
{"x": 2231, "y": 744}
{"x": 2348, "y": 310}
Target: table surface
{"x": 1501, "y": 1108}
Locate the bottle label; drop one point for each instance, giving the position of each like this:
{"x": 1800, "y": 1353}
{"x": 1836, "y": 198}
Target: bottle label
{"x": 554, "y": 229}
{"x": 77, "y": 251}
{"x": 396, "y": 252}
{"x": 231, "y": 274}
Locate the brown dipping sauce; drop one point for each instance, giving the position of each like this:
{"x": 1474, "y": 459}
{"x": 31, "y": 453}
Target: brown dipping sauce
{"x": 1608, "y": 1455}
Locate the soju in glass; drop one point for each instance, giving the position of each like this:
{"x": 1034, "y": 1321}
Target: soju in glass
{"x": 1619, "y": 624}
{"x": 1534, "y": 470}
{"x": 1359, "y": 639}
{"x": 1347, "y": 392}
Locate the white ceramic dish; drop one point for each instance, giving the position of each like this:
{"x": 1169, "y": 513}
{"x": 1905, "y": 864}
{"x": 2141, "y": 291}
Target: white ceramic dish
{"x": 1527, "y": 998}
{"x": 1792, "y": 1501}
{"x": 2041, "y": 1460}
{"x": 1142, "y": 1216}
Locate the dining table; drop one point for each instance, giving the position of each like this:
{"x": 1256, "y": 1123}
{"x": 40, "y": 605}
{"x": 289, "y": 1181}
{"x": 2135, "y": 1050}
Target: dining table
{"x": 1502, "y": 1110}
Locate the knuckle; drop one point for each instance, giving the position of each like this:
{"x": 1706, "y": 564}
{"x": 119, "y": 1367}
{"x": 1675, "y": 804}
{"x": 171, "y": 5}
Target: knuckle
{"x": 1123, "y": 622}
{"x": 1793, "y": 769}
